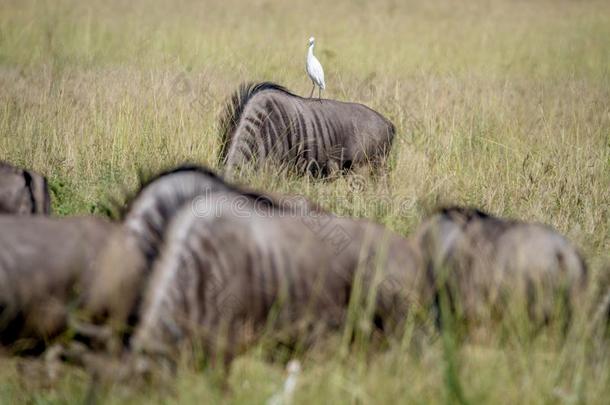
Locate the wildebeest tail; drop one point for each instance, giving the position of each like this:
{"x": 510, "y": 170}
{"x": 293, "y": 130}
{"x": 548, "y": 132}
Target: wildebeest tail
{"x": 39, "y": 192}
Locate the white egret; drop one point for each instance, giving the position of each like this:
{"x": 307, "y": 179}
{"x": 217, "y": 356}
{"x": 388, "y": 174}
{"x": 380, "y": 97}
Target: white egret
{"x": 314, "y": 70}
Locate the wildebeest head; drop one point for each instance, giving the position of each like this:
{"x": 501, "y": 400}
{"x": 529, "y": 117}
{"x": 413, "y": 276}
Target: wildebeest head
{"x": 22, "y": 191}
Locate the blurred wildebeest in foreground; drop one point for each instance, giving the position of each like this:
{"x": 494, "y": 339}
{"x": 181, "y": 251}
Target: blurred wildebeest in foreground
{"x": 492, "y": 266}
{"x": 223, "y": 280}
{"x": 125, "y": 265}
{"x": 42, "y": 262}
{"x": 265, "y": 121}
{"x": 23, "y": 191}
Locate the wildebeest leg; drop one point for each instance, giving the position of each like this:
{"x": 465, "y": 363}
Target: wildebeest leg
{"x": 332, "y": 168}
{"x": 77, "y": 354}
{"x": 312, "y": 89}
{"x": 95, "y": 336}
{"x": 218, "y": 339}
{"x": 52, "y": 360}
{"x": 377, "y": 169}
{"x": 313, "y": 169}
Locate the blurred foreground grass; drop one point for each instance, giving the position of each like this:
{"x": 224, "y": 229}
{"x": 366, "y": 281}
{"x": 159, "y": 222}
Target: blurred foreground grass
{"x": 500, "y": 104}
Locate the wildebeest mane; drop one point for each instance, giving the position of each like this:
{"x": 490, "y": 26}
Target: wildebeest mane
{"x": 235, "y": 107}
{"x": 146, "y": 180}
{"x": 165, "y": 207}
{"x": 466, "y": 216}
{"x": 467, "y": 213}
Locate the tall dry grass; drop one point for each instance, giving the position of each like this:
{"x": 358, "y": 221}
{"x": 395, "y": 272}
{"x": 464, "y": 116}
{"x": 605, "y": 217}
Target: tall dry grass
{"x": 500, "y": 104}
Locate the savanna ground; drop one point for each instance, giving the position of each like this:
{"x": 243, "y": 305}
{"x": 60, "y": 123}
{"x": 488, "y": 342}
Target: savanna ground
{"x": 504, "y": 105}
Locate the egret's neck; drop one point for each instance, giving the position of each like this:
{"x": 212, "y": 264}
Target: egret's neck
{"x": 310, "y": 51}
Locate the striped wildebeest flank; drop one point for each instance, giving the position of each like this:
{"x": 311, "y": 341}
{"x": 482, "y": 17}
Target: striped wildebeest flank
{"x": 494, "y": 266}
{"x": 23, "y": 191}
{"x": 224, "y": 280}
{"x": 265, "y": 121}
{"x": 43, "y": 263}
{"x": 126, "y": 263}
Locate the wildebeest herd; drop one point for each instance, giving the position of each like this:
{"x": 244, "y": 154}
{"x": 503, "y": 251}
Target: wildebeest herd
{"x": 198, "y": 261}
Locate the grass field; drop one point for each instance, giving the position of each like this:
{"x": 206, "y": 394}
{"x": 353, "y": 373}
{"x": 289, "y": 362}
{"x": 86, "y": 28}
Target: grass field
{"x": 504, "y": 105}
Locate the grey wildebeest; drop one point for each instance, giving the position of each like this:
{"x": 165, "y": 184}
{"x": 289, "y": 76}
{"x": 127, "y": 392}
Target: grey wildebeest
{"x": 125, "y": 265}
{"x": 265, "y": 121}
{"x": 42, "y": 264}
{"x": 23, "y": 191}
{"x": 492, "y": 266}
{"x": 224, "y": 279}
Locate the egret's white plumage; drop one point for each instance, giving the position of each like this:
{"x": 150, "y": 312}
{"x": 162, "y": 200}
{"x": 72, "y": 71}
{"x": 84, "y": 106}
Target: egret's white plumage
{"x": 314, "y": 70}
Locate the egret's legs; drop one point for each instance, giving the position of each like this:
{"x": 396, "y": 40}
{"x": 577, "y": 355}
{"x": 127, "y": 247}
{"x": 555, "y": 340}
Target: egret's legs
{"x": 320, "y": 93}
{"x": 312, "y": 89}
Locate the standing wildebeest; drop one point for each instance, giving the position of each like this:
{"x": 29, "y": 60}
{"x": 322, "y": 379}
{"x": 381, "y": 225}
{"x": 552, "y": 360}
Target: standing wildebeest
{"x": 125, "y": 266}
{"x": 42, "y": 261}
{"x": 265, "y": 121}
{"x": 22, "y": 191}
{"x": 493, "y": 265}
{"x": 224, "y": 279}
